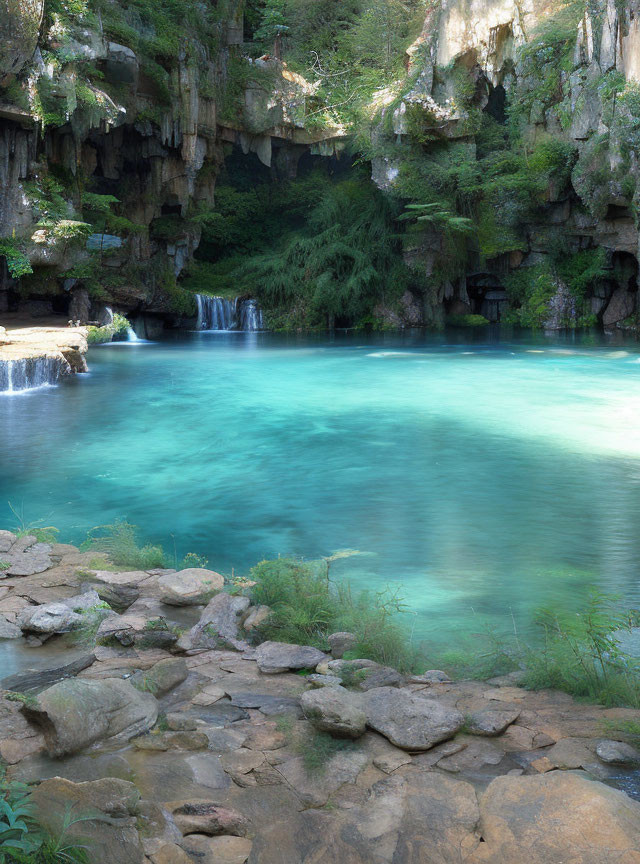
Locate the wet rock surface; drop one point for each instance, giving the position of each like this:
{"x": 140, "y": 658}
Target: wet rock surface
{"x": 207, "y": 755}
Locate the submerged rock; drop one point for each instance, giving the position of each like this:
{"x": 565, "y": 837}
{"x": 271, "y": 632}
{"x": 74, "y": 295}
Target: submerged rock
{"x": 76, "y": 712}
{"x": 275, "y": 657}
{"x": 410, "y": 721}
{"x": 334, "y": 710}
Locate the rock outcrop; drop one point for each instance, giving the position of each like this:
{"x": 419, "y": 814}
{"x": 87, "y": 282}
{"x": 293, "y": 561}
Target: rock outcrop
{"x": 75, "y": 713}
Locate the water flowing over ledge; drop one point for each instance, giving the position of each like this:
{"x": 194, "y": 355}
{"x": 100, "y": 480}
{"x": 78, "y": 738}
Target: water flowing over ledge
{"x": 30, "y": 372}
{"x": 221, "y": 313}
{"x": 40, "y": 356}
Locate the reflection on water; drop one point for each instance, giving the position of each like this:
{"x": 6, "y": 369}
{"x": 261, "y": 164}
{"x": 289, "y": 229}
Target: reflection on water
{"x": 487, "y": 477}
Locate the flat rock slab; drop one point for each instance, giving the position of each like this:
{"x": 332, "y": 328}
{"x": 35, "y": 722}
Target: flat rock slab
{"x": 267, "y": 703}
{"x": 217, "y": 850}
{"x": 25, "y": 557}
{"x": 220, "y": 714}
{"x": 410, "y": 721}
{"x": 557, "y": 817}
{"x": 314, "y": 790}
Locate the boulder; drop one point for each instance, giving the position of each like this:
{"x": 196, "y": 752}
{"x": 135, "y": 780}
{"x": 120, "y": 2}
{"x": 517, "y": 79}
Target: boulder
{"x": 409, "y": 720}
{"x": 162, "y": 677}
{"x": 58, "y": 617}
{"x": 76, "y": 712}
{"x": 256, "y": 615}
{"x": 204, "y": 817}
{"x": 107, "y": 810}
{"x": 218, "y": 626}
{"x": 617, "y": 753}
{"x": 334, "y": 710}
{"x": 379, "y": 676}
{"x": 275, "y": 657}
{"x": 491, "y": 721}
{"x": 48, "y": 618}
{"x": 191, "y": 587}
{"x": 557, "y": 817}
{"x": 340, "y": 643}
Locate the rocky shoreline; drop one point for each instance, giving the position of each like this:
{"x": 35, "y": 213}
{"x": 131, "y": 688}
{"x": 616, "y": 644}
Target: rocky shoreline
{"x": 179, "y": 736}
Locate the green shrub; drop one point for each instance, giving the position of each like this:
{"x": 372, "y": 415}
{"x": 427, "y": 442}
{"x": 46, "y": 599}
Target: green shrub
{"x": 23, "y": 527}
{"x": 575, "y": 651}
{"x": 308, "y": 607}
{"x": 97, "y": 335}
{"x": 119, "y": 543}
{"x": 581, "y": 654}
{"x": 467, "y": 320}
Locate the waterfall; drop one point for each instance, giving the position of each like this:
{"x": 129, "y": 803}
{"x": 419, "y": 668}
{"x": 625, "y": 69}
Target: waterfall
{"x": 221, "y": 313}
{"x": 250, "y": 315}
{"x": 215, "y": 313}
{"x": 131, "y": 335}
{"x": 29, "y": 372}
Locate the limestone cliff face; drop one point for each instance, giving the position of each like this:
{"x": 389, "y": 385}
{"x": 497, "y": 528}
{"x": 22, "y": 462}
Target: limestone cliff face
{"x": 514, "y": 56}
{"x": 106, "y": 153}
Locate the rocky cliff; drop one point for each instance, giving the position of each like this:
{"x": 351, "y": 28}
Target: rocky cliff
{"x": 526, "y": 118}
{"x": 114, "y": 118}
{"x": 513, "y": 135}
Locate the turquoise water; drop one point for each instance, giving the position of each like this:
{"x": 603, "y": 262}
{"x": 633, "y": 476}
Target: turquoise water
{"x": 485, "y": 477}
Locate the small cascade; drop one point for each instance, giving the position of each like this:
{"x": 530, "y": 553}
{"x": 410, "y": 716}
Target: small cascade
{"x": 222, "y": 313}
{"x": 216, "y": 313}
{"x": 250, "y": 315}
{"x": 28, "y": 373}
{"x": 131, "y": 335}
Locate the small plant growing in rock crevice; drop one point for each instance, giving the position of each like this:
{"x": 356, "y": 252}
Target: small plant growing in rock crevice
{"x": 26, "y": 699}
{"x": 315, "y": 748}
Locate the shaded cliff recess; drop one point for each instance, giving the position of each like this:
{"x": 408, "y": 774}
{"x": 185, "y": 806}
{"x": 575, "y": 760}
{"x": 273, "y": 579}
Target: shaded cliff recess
{"x": 378, "y": 163}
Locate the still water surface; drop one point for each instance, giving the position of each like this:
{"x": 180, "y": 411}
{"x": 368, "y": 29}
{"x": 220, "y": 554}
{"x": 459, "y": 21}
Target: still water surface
{"x": 487, "y": 476}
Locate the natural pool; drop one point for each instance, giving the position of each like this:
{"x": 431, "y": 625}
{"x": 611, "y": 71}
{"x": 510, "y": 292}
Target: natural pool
{"x": 486, "y": 475}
